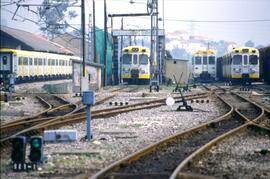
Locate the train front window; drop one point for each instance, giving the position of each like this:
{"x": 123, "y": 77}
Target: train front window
{"x": 211, "y": 60}
{"x": 4, "y": 58}
{"x": 127, "y": 59}
{"x": 198, "y": 60}
{"x": 135, "y": 59}
{"x": 253, "y": 59}
{"x": 143, "y": 59}
{"x": 237, "y": 59}
{"x": 205, "y": 60}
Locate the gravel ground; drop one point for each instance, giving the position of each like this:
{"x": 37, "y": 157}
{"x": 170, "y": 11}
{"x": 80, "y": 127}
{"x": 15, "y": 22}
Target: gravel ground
{"x": 237, "y": 157}
{"x": 16, "y": 109}
{"x": 117, "y": 136}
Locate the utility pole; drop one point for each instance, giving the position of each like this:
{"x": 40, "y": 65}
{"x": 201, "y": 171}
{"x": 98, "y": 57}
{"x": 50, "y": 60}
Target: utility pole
{"x": 94, "y": 31}
{"x": 105, "y": 44}
{"x": 121, "y": 47}
{"x": 83, "y": 35}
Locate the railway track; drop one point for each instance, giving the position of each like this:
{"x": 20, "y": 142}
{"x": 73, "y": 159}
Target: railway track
{"x": 232, "y": 155}
{"x": 39, "y": 125}
{"x": 162, "y": 158}
{"x": 56, "y": 106}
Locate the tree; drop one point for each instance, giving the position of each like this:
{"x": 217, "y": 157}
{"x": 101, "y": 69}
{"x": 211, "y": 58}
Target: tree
{"x": 249, "y": 44}
{"x": 53, "y": 17}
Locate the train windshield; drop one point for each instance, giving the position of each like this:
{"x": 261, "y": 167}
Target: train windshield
{"x": 253, "y": 59}
{"x": 205, "y": 60}
{"x": 211, "y": 60}
{"x": 127, "y": 59}
{"x": 198, "y": 60}
{"x": 143, "y": 59}
{"x": 237, "y": 59}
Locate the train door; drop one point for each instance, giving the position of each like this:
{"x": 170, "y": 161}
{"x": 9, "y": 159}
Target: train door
{"x": 205, "y": 64}
{"x": 5, "y": 66}
{"x": 197, "y": 70}
{"x": 5, "y": 63}
{"x": 245, "y": 66}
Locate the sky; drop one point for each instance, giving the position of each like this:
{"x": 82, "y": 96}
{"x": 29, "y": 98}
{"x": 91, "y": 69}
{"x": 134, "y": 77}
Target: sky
{"x": 215, "y": 19}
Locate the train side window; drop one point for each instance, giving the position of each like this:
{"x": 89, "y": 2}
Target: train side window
{"x": 39, "y": 61}
{"x": 44, "y": 61}
{"x": 4, "y": 58}
{"x": 253, "y": 59}
{"x": 20, "y": 60}
{"x": 25, "y": 61}
{"x": 56, "y": 62}
{"x": 70, "y": 63}
{"x": 30, "y": 61}
{"x": 35, "y": 61}
{"x": 198, "y": 60}
{"x": 53, "y": 62}
{"x": 135, "y": 59}
{"x": 211, "y": 60}
{"x": 237, "y": 59}
{"x": 205, "y": 60}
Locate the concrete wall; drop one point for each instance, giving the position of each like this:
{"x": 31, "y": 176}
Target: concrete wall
{"x": 91, "y": 81}
{"x": 176, "y": 67}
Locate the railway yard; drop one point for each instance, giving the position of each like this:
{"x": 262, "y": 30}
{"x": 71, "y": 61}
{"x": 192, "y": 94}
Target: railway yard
{"x": 136, "y": 135}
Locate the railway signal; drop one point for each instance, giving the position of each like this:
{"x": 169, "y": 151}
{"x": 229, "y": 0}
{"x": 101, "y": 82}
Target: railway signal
{"x": 18, "y": 149}
{"x": 36, "y": 149}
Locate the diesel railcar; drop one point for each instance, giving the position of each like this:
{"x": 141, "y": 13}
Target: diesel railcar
{"x": 136, "y": 65}
{"x": 26, "y": 66}
{"x": 204, "y": 66}
{"x": 241, "y": 65}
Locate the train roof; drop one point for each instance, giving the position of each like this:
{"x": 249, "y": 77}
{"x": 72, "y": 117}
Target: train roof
{"x": 245, "y": 50}
{"x": 205, "y": 52}
{"x": 136, "y": 49}
{"x": 36, "y": 54}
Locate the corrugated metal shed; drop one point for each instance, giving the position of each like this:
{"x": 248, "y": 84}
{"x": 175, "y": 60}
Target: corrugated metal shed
{"x": 29, "y": 41}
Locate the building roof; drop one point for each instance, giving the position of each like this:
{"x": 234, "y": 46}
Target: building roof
{"x": 71, "y": 42}
{"x": 34, "y": 41}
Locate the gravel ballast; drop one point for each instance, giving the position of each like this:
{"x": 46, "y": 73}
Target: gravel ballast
{"x": 237, "y": 157}
{"x": 118, "y": 136}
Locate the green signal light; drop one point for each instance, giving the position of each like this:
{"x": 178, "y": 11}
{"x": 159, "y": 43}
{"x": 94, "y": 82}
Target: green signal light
{"x": 35, "y": 143}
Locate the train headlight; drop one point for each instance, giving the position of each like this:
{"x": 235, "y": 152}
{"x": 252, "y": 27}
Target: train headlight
{"x": 253, "y": 70}
{"x": 237, "y": 70}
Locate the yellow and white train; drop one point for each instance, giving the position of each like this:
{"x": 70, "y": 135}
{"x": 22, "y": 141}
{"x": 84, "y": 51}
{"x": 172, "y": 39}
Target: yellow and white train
{"x": 241, "y": 65}
{"x": 28, "y": 66}
{"x": 136, "y": 64}
{"x": 204, "y": 66}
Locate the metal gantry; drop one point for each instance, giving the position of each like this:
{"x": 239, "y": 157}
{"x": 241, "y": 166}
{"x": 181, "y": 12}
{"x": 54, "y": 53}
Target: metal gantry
{"x": 157, "y": 42}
